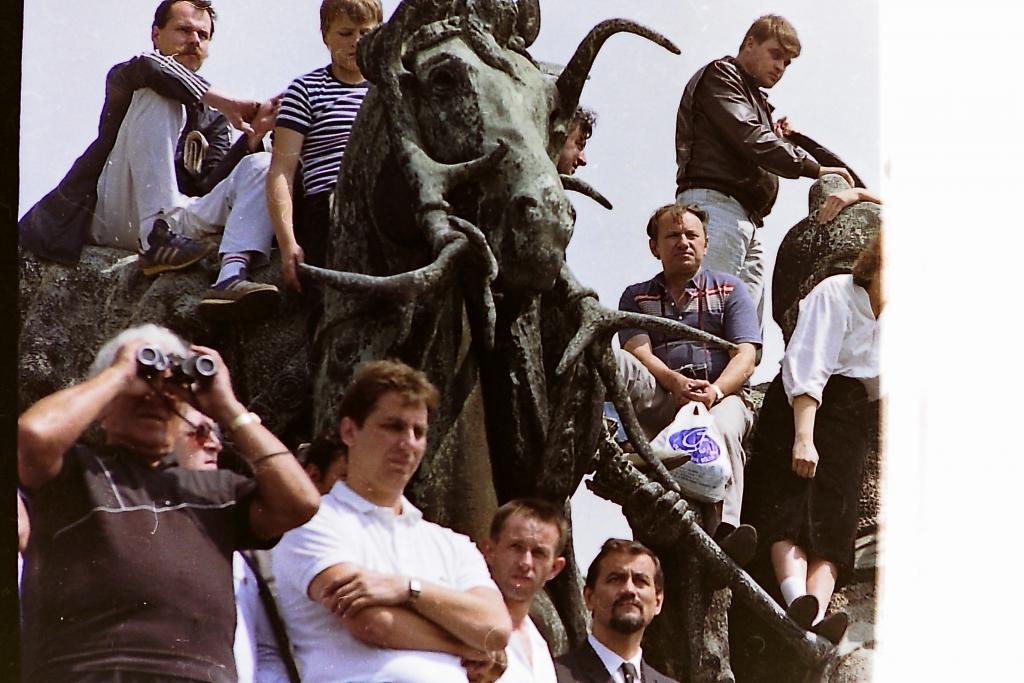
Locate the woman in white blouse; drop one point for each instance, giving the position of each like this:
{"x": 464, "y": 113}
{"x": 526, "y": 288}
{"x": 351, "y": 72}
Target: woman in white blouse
{"x": 813, "y": 435}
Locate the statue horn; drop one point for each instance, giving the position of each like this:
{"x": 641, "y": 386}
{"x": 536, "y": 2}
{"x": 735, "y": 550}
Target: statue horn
{"x": 574, "y": 184}
{"x": 574, "y": 75}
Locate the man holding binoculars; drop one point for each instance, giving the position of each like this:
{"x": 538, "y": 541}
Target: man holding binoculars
{"x": 128, "y": 569}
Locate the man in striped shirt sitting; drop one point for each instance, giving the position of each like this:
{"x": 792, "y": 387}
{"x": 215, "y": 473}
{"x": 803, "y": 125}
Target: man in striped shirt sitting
{"x": 664, "y": 373}
{"x": 313, "y": 127}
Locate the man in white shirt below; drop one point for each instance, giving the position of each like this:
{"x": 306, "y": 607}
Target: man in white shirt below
{"x": 624, "y": 590}
{"x": 524, "y": 552}
{"x": 369, "y": 590}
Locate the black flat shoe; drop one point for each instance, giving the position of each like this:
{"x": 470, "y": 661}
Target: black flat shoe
{"x": 833, "y": 627}
{"x": 803, "y": 610}
{"x": 740, "y": 544}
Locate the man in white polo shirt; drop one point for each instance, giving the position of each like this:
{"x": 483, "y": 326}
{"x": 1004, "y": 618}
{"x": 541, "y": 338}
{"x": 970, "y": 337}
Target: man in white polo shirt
{"x": 369, "y": 590}
{"x": 524, "y": 552}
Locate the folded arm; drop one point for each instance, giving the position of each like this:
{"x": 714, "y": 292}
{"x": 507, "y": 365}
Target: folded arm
{"x": 373, "y": 607}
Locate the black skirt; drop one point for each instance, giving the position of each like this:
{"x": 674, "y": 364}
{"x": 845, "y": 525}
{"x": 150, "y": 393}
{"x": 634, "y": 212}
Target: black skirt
{"x": 818, "y": 514}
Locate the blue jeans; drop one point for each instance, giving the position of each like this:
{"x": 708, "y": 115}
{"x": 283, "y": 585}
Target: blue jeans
{"x": 733, "y": 244}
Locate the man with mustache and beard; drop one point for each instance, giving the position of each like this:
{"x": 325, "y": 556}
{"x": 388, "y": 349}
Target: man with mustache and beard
{"x": 624, "y": 591}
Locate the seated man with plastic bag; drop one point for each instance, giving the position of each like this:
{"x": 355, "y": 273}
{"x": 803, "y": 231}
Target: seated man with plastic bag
{"x": 690, "y": 385}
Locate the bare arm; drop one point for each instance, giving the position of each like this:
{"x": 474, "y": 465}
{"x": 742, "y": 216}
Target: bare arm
{"x": 400, "y": 628}
{"x": 280, "y": 201}
{"x": 835, "y": 203}
{"x": 53, "y": 424}
{"x": 285, "y": 497}
{"x": 476, "y": 618}
{"x": 24, "y": 524}
{"x": 238, "y": 112}
{"x": 805, "y": 455}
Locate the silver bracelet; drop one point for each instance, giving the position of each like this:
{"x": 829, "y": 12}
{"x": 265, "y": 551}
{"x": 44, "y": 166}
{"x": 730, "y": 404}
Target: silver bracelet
{"x": 240, "y": 421}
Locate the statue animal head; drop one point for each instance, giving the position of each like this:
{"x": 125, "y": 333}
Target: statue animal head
{"x": 475, "y": 127}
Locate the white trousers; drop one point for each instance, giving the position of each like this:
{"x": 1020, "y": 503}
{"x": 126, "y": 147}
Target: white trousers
{"x": 138, "y": 182}
{"x": 655, "y": 409}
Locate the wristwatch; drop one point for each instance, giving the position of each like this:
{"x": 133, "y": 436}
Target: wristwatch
{"x": 718, "y": 393}
{"x": 415, "y": 588}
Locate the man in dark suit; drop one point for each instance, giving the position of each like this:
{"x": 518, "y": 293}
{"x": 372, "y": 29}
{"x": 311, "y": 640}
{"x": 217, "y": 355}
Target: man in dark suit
{"x": 624, "y": 591}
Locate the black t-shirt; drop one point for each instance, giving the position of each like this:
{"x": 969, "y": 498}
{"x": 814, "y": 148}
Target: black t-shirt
{"x": 129, "y": 568}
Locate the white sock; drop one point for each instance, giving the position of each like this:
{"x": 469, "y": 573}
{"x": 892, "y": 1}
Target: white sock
{"x": 231, "y": 265}
{"x": 792, "y": 588}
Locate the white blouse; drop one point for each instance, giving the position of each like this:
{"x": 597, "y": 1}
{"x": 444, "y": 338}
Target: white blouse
{"x": 836, "y": 334}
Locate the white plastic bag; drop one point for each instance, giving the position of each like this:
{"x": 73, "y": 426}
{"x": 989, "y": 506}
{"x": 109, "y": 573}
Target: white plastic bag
{"x": 693, "y": 432}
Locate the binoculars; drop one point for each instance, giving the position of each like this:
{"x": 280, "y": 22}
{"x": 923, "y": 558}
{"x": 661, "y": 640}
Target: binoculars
{"x": 150, "y": 361}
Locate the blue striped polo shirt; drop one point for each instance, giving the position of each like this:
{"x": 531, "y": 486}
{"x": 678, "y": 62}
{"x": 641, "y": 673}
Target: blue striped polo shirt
{"x": 714, "y": 302}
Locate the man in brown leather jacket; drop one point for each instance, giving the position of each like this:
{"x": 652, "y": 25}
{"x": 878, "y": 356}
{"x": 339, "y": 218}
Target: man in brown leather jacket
{"x": 730, "y": 152}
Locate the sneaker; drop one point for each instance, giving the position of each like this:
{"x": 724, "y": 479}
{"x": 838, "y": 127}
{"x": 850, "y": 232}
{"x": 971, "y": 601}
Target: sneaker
{"x": 239, "y": 299}
{"x": 170, "y": 251}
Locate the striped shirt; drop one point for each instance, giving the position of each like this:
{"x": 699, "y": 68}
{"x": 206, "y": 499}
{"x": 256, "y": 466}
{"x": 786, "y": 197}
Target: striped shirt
{"x": 323, "y": 109}
{"x": 190, "y": 80}
{"x": 714, "y": 302}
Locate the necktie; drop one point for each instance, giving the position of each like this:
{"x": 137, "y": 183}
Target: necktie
{"x": 629, "y": 673}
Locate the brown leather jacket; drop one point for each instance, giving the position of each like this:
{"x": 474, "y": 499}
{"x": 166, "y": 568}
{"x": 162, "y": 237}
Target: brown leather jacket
{"x": 725, "y": 141}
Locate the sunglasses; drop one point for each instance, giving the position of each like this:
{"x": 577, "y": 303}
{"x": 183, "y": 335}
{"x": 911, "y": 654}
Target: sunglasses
{"x": 201, "y": 432}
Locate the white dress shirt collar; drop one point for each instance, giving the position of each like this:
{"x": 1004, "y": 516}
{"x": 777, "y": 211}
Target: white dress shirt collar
{"x": 612, "y": 661}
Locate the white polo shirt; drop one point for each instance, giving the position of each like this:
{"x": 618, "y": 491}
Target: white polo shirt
{"x": 533, "y": 666}
{"x": 349, "y": 528}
